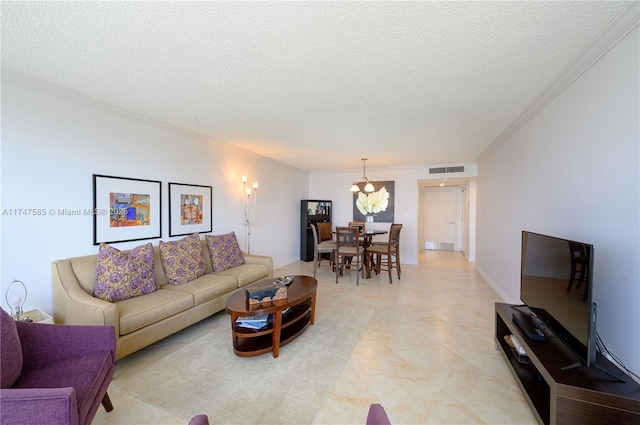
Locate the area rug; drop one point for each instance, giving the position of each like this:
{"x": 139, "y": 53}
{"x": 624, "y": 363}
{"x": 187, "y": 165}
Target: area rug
{"x": 207, "y": 377}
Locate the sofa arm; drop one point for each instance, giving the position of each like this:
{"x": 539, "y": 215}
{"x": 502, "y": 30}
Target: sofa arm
{"x": 44, "y": 343}
{"x": 37, "y": 406}
{"x": 73, "y": 305}
{"x": 259, "y": 259}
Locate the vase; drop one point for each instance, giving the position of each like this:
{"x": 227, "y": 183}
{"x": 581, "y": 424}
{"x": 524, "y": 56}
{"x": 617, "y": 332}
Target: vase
{"x": 370, "y": 218}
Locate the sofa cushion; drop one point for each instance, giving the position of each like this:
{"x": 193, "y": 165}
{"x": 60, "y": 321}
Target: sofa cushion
{"x": 224, "y": 251}
{"x": 136, "y": 313}
{"x": 85, "y": 374}
{"x": 122, "y": 275}
{"x": 182, "y": 260}
{"x": 11, "y": 351}
{"x": 247, "y": 273}
{"x": 206, "y": 288}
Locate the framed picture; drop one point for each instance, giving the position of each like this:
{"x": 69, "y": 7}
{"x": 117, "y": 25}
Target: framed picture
{"x": 125, "y": 209}
{"x": 189, "y": 209}
{"x": 377, "y": 206}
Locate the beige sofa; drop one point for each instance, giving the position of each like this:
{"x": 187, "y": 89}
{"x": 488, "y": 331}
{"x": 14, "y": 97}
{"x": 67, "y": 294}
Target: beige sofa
{"x": 143, "y": 320}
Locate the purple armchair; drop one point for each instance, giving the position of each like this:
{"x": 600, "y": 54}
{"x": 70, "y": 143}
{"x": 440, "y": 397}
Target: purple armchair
{"x": 54, "y": 374}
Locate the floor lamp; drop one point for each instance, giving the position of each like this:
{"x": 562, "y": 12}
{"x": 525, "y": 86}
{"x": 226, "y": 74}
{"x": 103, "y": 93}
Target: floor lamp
{"x": 248, "y": 209}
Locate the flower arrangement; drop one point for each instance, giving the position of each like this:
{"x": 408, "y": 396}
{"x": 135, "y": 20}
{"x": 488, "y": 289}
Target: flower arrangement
{"x": 374, "y": 202}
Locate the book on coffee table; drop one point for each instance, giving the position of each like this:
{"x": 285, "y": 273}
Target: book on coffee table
{"x": 253, "y": 322}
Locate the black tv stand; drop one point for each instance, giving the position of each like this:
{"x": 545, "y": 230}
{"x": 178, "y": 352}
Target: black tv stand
{"x": 603, "y": 370}
{"x": 581, "y": 395}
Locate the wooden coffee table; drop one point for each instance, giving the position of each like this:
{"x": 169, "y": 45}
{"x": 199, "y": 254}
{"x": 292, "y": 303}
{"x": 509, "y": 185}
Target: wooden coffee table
{"x": 285, "y": 327}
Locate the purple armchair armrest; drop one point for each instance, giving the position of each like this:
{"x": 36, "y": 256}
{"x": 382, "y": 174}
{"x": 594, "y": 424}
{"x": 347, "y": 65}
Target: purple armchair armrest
{"x": 377, "y": 415}
{"x": 199, "y": 420}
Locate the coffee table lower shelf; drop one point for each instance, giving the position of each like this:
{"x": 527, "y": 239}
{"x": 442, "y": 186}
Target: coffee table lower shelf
{"x": 248, "y": 344}
{"x": 290, "y": 318}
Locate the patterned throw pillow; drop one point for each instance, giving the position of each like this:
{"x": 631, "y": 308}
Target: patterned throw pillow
{"x": 183, "y": 260}
{"x": 120, "y": 276}
{"x": 224, "y": 251}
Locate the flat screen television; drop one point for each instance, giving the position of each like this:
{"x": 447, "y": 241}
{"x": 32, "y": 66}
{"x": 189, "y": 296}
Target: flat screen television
{"x": 556, "y": 283}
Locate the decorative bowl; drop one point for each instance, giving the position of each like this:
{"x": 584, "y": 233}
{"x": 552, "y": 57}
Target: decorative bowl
{"x": 283, "y": 280}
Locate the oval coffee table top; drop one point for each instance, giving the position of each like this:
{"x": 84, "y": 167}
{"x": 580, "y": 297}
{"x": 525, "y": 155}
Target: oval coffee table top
{"x": 299, "y": 289}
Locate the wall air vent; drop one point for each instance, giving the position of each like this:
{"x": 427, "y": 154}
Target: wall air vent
{"x": 444, "y": 170}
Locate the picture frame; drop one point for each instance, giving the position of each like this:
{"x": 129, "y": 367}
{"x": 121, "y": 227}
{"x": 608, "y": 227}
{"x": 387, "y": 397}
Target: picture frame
{"x": 126, "y": 209}
{"x": 387, "y": 211}
{"x": 190, "y": 209}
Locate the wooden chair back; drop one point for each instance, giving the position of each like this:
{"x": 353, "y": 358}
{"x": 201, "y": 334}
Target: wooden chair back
{"x": 347, "y": 237}
{"x": 394, "y": 234}
{"x": 315, "y": 238}
{"x": 359, "y": 224}
{"x": 324, "y": 231}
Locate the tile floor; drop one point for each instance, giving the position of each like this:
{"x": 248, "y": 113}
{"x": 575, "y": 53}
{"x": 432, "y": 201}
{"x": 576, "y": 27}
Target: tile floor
{"x": 428, "y": 354}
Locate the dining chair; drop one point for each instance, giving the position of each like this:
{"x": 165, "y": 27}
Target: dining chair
{"x": 324, "y": 231}
{"x": 319, "y": 248}
{"x": 348, "y": 248}
{"x": 361, "y": 225}
{"x": 390, "y": 251}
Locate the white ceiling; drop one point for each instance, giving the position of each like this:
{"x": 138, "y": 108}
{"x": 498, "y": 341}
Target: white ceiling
{"x": 317, "y": 85}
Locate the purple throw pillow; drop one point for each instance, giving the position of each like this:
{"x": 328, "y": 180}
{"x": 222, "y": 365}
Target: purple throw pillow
{"x": 224, "y": 251}
{"x": 183, "y": 260}
{"x": 11, "y": 363}
{"x": 122, "y": 275}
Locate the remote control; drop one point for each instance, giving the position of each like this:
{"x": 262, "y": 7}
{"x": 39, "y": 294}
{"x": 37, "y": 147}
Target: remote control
{"x": 517, "y": 346}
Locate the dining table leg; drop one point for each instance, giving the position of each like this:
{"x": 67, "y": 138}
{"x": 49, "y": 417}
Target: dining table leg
{"x": 367, "y": 264}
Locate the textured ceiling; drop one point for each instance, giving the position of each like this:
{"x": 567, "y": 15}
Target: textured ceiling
{"x": 316, "y": 85}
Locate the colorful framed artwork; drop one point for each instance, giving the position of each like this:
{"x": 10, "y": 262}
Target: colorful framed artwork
{"x": 190, "y": 208}
{"x": 377, "y": 206}
{"x": 125, "y": 209}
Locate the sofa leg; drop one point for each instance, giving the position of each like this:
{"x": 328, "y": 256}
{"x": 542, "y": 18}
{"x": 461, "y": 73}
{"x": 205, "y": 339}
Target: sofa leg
{"x": 106, "y": 402}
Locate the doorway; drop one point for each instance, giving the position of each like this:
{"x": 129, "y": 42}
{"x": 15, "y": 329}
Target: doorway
{"x": 442, "y": 218}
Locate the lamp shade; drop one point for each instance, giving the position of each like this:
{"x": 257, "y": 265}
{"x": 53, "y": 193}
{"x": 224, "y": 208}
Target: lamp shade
{"x": 369, "y": 187}
{"x": 355, "y": 188}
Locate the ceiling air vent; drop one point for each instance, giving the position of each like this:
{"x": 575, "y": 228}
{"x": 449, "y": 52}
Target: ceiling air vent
{"x": 443, "y": 170}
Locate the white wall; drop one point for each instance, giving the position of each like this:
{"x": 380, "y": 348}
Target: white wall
{"x": 50, "y": 149}
{"x": 573, "y": 171}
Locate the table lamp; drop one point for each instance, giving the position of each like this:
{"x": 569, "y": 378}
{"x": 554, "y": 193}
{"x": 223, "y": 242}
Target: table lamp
{"x": 16, "y": 302}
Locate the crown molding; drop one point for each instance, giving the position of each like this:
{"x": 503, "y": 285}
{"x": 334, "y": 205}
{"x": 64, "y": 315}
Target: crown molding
{"x": 624, "y": 24}
{"x": 69, "y": 95}
{"x": 73, "y": 96}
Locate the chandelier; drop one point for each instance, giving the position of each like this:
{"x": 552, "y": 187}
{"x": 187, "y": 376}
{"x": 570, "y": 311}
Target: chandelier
{"x": 368, "y": 187}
